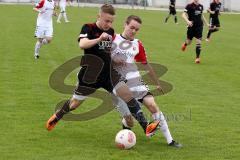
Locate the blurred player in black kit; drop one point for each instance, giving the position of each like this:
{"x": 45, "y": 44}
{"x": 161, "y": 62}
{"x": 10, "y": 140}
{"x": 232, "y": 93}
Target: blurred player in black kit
{"x": 172, "y": 11}
{"x": 214, "y": 22}
{"x": 193, "y": 15}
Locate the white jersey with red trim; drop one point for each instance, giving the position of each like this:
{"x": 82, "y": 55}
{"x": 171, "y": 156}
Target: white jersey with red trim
{"x": 45, "y": 16}
{"x": 129, "y": 51}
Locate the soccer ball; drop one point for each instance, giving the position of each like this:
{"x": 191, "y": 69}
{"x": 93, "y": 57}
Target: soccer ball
{"x": 125, "y": 139}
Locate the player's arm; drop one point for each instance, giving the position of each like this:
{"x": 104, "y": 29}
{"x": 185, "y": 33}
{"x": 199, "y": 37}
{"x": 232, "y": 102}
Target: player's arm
{"x": 55, "y": 10}
{"x": 210, "y": 11}
{"x": 38, "y": 7}
{"x": 58, "y": 4}
{"x": 204, "y": 20}
{"x": 185, "y": 17}
{"x": 68, "y": 2}
{"x": 141, "y": 57}
{"x": 148, "y": 68}
{"x": 86, "y": 43}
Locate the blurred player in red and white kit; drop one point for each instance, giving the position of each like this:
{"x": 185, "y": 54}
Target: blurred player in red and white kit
{"x": 125, "y": 51}
{"x": 44, "y": 28}
{"x": 62, "y": 4}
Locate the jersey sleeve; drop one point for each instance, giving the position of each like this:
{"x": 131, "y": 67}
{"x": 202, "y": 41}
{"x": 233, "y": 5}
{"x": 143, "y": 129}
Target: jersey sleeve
{"x": 141, "y": 56}
{"x": 85, "y": 32}
{"x": 40, "y": 4}
{"x": 212, "y": 7}
{"x": 187, "y": 8}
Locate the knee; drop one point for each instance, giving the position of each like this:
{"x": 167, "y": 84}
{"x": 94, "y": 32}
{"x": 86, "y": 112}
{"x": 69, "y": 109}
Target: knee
{"x": 153, "y": 108}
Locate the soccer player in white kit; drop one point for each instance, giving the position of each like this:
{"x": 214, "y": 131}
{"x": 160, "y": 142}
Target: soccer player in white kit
{"x": 62, "y": 4}
{"x": 125, "y": 51}
{"x": 44, "y": 27}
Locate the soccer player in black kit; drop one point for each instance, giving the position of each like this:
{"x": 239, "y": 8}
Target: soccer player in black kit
{"x": 193, "y": 15}
{"x": 172, "y": 11}
{"x": 97, "y": 72}
{"x": 214, "y": 22}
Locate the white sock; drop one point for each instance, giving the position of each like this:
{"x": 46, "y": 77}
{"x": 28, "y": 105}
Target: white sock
{"x": 163, "y": 126}
{"x": 37, "y": 48}
{"x": 65, "y": 17}
{"x": 59, "y": 17}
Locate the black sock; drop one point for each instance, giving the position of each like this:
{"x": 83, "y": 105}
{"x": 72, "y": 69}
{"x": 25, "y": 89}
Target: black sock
{"x": 209, "y": 34}
{"x": 198, "y": 50}
{"x": 167, "y": 19}
{"x": 175, "y": 19}
{"x": 124, "y": 127}
{"x": 215, "y": 30}
{"x": 137, "y": 113}
{"x": 212, "y": 31}
{"x": 64, "y": 110}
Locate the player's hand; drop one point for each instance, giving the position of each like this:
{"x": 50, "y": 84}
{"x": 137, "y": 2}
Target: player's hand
{"x": 160, "y": 89}
{"x": 189, "y": 23}
{"x": 104, "y": 36}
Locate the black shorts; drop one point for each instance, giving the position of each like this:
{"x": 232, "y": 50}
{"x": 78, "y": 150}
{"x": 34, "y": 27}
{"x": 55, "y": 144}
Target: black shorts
{"x": 172, "y": 11}
{"x": 194, "y": 32}
{"x": 214, "y": 22}
{"x": 148, "y": 93}
{"x": 90, "y": 78}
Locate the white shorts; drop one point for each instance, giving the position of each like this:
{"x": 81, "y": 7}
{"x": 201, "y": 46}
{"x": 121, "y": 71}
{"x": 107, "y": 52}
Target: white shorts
{"x": 62, "y": 8}
{"x": 139, "y": 90}
{"x": 137, "y": 87}
{"x": 42, "y": 32}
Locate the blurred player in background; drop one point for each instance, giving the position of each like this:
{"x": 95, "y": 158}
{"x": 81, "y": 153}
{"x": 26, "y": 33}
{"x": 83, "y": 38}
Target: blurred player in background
{"x": 214, "y": 22}
{"x": 172, "y": 11}
{"x": 44, "y": 27}
{"x": 193, "y": 15}
{"x": 62, "y": 4}
{"x": 125, "y": 51}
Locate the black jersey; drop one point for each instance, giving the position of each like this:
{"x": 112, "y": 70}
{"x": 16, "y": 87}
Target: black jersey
{"x": 102, "y": 49}
{"x": 172, "y": 3}
{"x": 195, "y": 12}
{"x": 216, "y": 8}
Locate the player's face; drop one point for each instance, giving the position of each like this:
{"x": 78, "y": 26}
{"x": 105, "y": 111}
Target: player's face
{"x": 105, "y": 21}
{"x": 195, "y": 1}
{"x": 131, "y": 29}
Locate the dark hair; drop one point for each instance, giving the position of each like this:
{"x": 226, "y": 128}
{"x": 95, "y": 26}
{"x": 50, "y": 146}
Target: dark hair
{"x": 133, "y": 17}
{"x": 107, "y": 8}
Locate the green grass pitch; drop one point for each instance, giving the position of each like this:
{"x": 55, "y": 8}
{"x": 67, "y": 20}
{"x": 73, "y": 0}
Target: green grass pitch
{"x": 206, "y": 96}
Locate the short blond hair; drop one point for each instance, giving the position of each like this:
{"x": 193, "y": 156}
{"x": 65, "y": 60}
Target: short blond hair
{"x": 107, "y": 8}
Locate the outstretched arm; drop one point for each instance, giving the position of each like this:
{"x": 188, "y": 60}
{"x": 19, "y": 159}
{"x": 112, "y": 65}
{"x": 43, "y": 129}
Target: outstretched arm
{"x": 148, "y": 68}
